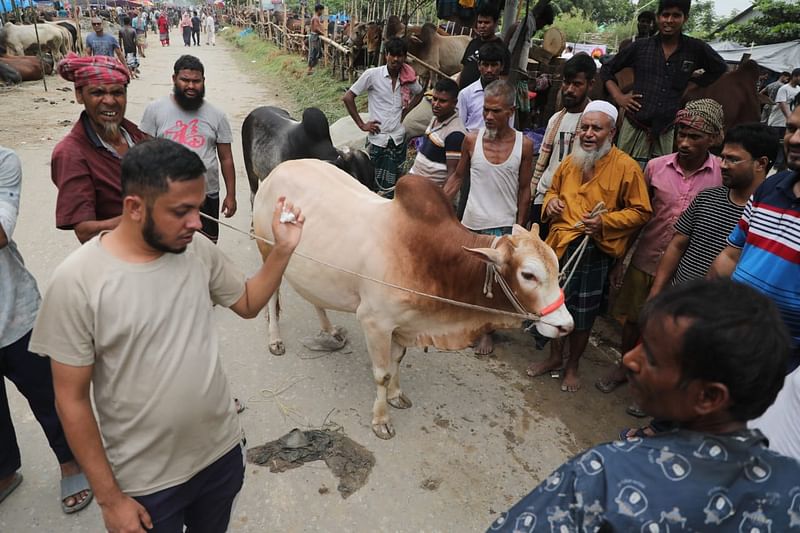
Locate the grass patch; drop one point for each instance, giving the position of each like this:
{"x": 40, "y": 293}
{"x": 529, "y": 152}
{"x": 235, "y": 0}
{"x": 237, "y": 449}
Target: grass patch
{"x": 288, "y": 71}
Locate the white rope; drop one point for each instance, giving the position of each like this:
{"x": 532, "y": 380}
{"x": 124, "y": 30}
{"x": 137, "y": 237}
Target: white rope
{"x": 522, "y": 315}
{"x": 577, "y": 255}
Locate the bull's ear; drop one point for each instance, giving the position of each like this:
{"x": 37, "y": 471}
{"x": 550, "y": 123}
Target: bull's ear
{"x": 516, "y": 229}
{"x": 487, "y": 255}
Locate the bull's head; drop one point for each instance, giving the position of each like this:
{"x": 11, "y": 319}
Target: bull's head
{"x": 530, "y": 267}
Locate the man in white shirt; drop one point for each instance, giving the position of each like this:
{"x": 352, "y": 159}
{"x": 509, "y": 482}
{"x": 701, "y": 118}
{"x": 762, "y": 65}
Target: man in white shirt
{"x": 470, "y": 100}
{"x": 784, "y": 105}
{"x": 392, "y": 91}
{"x": 562, "y": 129}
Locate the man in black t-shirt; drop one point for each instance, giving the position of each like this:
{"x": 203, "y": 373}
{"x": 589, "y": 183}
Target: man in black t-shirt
{"x": 195, "y": 29}
{"x": 486, "y": 28}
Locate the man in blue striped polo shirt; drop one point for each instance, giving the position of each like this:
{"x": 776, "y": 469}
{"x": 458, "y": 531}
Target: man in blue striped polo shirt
{"x": 764, "y": 248}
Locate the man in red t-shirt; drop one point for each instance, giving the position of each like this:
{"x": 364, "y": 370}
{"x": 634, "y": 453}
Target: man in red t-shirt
{"x": 86, "y": 163}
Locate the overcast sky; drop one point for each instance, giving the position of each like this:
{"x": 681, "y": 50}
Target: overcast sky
{"x": 724, "y": 7}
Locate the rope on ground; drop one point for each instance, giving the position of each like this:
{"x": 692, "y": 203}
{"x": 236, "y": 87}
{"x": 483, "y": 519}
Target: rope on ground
{"x": 286, "y": 410}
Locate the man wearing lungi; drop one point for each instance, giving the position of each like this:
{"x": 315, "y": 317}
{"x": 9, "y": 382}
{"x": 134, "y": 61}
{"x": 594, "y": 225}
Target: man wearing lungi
{"x": 594, "y": 172}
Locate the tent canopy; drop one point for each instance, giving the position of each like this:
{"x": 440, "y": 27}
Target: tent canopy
{"x": 775, "y": 57}
{"x": 5, "y": 5}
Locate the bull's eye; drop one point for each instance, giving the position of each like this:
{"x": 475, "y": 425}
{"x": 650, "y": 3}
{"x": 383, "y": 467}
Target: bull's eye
{"x": 528, "y": 276}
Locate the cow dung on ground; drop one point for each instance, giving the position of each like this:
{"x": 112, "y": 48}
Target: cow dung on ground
{"x": 349, "y": 461}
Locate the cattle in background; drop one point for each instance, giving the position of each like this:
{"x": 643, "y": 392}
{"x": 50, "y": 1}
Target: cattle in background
{"x": 270, "y": 136}
{"x": 29, "y": 68}
{"x": 366, "y": 40}
{"x": 414, "y": 241}
{"x": 442, "y": 52}
{"x": 736, "y": 92}
{"x": 21, "y": 40}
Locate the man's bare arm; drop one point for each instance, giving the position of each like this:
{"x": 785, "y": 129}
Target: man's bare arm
{"x": 669, "y": 262}
{"x": 453, "y": 183}
{"x": 266, "y": 281}
{"x": 225, "y": 155}
{"x": 524, "y": 189}
{"x": 784, "y": 109}
{"x": 74, "y": 407}
{"x": 725, "y": 263}
{"x": 89, "y": 228}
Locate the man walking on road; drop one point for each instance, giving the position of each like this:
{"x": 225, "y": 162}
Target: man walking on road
{"x": 499, "y": 161}
{"x": 128, "y": 323}
{"x": 210, "y": 27}
{"x": 100, "y": 43}
{"x": 188, "y": 119}
{"x": 85, "y": 164}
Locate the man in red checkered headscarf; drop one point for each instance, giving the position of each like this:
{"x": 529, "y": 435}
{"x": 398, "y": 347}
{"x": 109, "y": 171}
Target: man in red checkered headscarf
{"x": 86, "y": 163}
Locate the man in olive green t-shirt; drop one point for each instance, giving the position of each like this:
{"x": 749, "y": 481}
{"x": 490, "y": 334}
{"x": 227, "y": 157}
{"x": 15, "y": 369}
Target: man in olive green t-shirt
{"x": 131, "y": 314}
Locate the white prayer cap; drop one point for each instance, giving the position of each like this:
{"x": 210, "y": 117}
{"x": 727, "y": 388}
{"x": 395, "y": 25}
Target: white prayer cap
{"x": 603, "y": 107}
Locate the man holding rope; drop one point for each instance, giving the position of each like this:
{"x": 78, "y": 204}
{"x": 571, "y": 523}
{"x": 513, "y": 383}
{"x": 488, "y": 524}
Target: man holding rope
{"x": 128, "y": 321}
{"x": 598, "y": 195}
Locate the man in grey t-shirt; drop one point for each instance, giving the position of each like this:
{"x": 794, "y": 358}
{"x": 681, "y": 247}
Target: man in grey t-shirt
{"x": 186, "y": 118}
{"x": 103, "y": 44}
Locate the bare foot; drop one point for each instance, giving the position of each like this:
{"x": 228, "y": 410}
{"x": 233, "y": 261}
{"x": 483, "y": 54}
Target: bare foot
{"x": 571, "y": 381}
{"x": 615, "y": 378}
{"x": 485, "y": 345}
{"x": 546, "y": 366}
{"x": 70, "y": 469}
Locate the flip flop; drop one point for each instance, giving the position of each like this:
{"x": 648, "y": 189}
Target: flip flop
{"x": 639, "y": 433}
{"x": 71, "y": 486}
{"x": 11, "y": 488}
{"x": 635, "y": 410}
{"x": 608, "y": 385}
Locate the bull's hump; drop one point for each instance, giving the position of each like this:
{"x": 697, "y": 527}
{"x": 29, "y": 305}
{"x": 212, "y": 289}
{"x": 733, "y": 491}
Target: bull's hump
{"x": 422, "y": 200}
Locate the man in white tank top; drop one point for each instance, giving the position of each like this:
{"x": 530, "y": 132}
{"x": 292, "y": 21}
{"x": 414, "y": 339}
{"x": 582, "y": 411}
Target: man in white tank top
{"x": 499, "y": 160}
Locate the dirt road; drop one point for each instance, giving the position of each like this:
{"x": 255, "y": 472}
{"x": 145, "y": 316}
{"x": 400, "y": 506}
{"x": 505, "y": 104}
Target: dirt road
{"x": 480, "y": 434}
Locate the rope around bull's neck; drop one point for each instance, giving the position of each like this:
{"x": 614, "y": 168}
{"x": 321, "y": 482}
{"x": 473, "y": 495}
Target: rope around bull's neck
{"x": 534, "y": 317}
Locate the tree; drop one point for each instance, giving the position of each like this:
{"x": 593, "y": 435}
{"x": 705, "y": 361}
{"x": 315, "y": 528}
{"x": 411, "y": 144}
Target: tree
{"x": 600, "y": 11}
{"x": 574, "y": 23}
{"x": 779, "y": 22}
{"x": 702, "y": 19}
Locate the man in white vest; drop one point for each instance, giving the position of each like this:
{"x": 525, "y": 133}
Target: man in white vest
{"x": 499, "y": 160}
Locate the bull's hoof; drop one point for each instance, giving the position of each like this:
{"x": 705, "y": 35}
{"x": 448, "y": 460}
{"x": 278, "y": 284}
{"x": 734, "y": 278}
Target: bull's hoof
{"x": 383, "y": 431}
{"x": 399, "y": 402}
{"x": 340, "y": 333}
{"x": 277, "y": 348}
{"x": 325, "y": 342}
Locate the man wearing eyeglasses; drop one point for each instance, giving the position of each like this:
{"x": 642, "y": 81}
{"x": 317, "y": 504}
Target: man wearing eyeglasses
{"x": 673, "y": 181}
{"x": 103, "y": 44}
{"x": 764, "y": 249}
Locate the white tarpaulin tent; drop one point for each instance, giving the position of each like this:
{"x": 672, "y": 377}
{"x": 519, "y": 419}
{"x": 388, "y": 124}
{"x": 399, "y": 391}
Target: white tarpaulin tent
{"x": 776, "y": 57}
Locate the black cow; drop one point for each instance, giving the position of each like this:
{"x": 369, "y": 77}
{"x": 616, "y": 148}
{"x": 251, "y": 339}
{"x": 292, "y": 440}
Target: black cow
{"x": 270, "y": 136}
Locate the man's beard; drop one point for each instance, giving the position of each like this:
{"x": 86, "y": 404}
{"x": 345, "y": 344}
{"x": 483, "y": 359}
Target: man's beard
{"x": 154, "y": 239}
{"x": 490, "y": 134}
{"x": 189, "y": 103}
{"x": 587, "y": 159}
{"x": 110, "y": 131}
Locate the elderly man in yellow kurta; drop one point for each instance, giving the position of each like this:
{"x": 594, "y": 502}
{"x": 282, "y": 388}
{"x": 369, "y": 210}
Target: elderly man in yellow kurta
{"x": 595, "y": 172}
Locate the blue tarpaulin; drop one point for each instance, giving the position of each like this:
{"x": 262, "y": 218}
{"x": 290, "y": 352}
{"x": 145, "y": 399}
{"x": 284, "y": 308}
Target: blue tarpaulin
{"x": 5, "y": 5}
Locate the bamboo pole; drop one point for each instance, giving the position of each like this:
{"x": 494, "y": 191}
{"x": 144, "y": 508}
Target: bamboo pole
{"x": 284, "y": 44}
{"x": 39, "y": 46}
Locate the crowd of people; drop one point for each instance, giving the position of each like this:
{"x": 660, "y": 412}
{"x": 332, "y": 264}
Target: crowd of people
{"x": 700, "y": 252}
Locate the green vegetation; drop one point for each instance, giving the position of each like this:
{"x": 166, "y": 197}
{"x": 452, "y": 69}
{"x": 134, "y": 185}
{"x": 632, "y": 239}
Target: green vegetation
{"x": 288, "y": 70}
{"x": 779, "y": 22}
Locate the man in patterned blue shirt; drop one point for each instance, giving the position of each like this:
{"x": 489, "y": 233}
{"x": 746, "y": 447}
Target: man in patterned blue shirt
{"x": 713, "y": 355}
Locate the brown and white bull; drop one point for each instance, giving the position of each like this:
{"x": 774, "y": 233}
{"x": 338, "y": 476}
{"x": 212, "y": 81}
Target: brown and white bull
{"x": 413, "y": 241}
